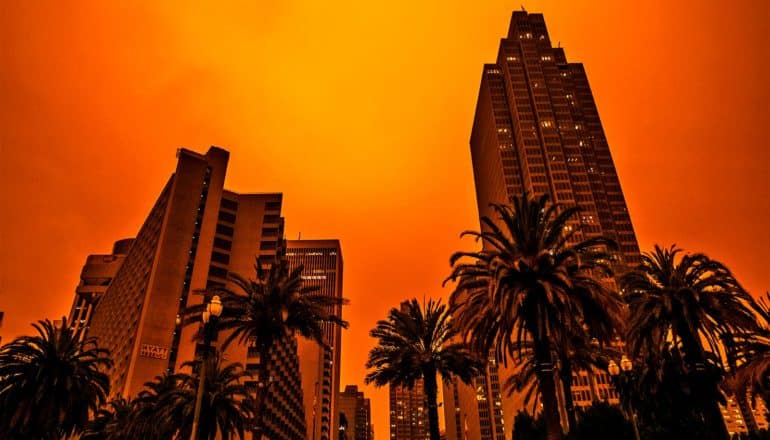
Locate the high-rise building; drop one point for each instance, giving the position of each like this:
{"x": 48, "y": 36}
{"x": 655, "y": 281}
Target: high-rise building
{"x": 196, "y": 234}
{"x": 355, "y": 410}
{"x": 319, "y": 366}
{"x": 95, "y": 277}
{"x": 537, "y": 130}
{"x": 408, "y": 413}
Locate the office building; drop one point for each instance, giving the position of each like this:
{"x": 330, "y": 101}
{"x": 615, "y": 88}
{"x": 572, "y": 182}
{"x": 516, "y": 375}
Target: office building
{"x": 355, "y": 410}
{"x": 319, "y": 366}
{"x": 537, "y": 130}
{"x": 408, "y": 413}
{"x": 195, "y": 234}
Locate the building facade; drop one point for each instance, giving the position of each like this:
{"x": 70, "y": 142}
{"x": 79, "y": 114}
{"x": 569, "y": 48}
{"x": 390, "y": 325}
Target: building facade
{"x": 408, "y": 413}
{"x": 355, "y": 411}
{"x": 736, "y": 422}
{"x": 319, "y": 366}
{"x": 95, "y": 277}
{"x": 195, "y": 234}
{"x": 537, "y": 130}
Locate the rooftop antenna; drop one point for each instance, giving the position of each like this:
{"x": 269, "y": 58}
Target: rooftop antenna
{"x": 558, "y": 44}
{"x": 299, "y": 236}
{"x": 523, "y": 9}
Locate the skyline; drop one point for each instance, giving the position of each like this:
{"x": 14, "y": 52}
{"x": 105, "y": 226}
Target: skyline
{"x": 85, "y": 218}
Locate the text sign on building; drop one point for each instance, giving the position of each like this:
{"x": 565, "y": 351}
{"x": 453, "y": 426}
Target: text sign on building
{"x": 153, "y": 351}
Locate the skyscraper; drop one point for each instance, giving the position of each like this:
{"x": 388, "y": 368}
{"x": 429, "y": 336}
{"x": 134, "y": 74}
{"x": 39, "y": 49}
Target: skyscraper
{"x": 320, "y": 367}
{"x": 408, "y": 413}
{"x": 355, "y": 408}
{"x": 95, "y": 277}
{"x": 195, "y": 234}
{"x": 536, "y": 130}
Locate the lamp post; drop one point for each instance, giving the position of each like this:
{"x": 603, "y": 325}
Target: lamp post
{"x": 622, "y": 381}
{"x": 209, "y": 317}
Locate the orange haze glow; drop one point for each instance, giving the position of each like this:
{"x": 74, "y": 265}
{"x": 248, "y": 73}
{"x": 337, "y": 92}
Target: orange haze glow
{"x": 360, "y": 113}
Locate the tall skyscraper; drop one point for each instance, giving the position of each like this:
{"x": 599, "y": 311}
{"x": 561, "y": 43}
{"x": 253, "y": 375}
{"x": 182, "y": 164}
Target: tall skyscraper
{"x": 408, "y": 413}
{"x": 536, "y": 129}
{"x": 355, "y": 408}
{"x": 195, "y": 234}
{"x": 320, "y": 367}
{"x": 96, "y": 276}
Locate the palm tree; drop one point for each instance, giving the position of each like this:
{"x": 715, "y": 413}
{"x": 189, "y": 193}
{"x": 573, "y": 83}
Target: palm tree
{"x": 112, "y": 422}
{"x": 572, "y": 355}
{"x": 529, "y": 283}
{"x": 580, "y": 353}
{"x": 688, "y": 303}
{"x": 751, "y": 355}
{"x": 228, "y": 407}
{"x": 50, "y": 382}
{"x": 262, "y": 312}
{"x": 155, "y": 414}
{"x": 661, "y": 393}
{"x": 414, "y": 344}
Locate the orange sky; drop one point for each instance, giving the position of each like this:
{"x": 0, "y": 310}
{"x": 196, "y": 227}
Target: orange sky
{"x": 360, "y": 113}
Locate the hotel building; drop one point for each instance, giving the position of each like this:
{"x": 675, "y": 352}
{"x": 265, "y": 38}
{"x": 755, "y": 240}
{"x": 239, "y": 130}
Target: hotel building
{"x": 195, "y": 234}
{"x": 95, "y": 277}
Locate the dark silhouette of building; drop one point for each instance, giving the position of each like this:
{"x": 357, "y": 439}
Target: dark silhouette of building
{"x": 536, "y": 130}
{"x": 355, "y": 411}
{"x": 319, "y": 366}
{"x": 196, "y": 234}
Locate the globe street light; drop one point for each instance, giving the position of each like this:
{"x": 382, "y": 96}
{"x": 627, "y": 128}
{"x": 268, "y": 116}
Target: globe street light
{"x": 624, "y": 381}
{"x": 209, "y": 317}
{"x": 625, "y": 364}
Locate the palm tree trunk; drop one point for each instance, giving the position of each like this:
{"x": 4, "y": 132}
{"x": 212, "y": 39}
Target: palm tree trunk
{"x": 566, "y": 382}
{"x": 262, "y": 390}
{"x": 547, "y": 386}
{"x": 695, "y": 357}
{"x": 431, "y": 395}
{"x": 715, "y": 422}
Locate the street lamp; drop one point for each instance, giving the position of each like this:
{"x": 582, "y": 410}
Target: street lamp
{"x": 208, "y": 316}
{"x": 626, "y": 366}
